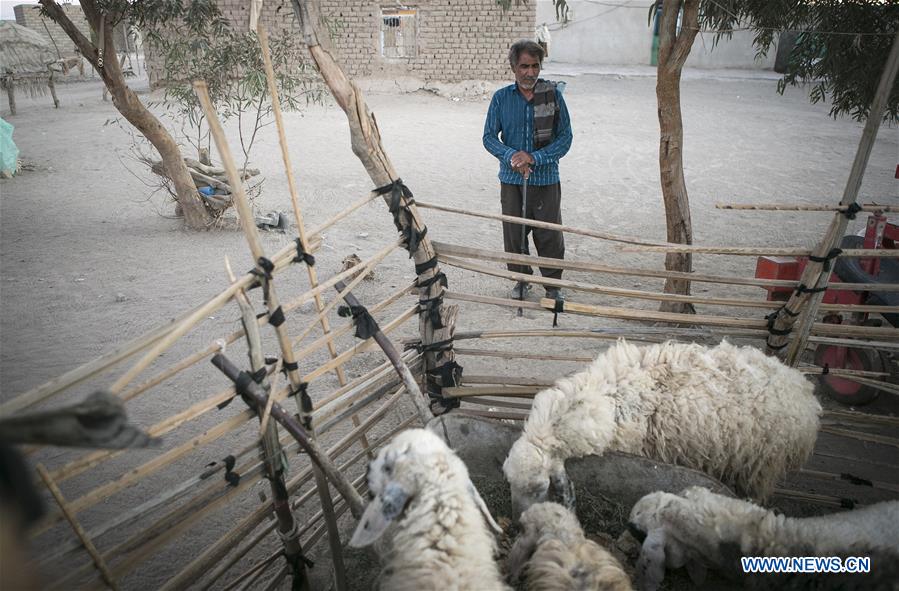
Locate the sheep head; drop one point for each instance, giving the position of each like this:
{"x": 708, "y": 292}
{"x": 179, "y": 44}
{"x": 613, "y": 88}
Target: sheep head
{"x": 540, "y": 522}
{"x": 400, "y": 472}
{"x": 534, "y": 477}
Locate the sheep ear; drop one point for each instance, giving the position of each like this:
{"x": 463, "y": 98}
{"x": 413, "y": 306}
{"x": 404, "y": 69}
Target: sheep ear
{"x": 562, "y": 489}
{"x": 379, "y": 514}
{"x": 482, "y": 507}
{"x": 651, "y": 564}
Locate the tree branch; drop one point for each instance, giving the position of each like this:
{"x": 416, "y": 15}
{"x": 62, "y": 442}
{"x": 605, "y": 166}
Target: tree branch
{"x": 57, "y": 15}
{"x": 688, "y": 30}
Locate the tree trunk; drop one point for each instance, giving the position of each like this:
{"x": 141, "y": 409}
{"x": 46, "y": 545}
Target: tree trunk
{"x": 129, "y": 105}
{"x": 674, "y": 47}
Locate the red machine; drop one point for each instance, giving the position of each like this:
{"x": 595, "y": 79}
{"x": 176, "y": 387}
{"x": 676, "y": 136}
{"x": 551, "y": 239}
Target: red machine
{"x": 879, "y": 233}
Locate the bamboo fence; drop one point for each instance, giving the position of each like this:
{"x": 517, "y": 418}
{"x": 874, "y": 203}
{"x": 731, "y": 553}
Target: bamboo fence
{"x": 152, "y": 502}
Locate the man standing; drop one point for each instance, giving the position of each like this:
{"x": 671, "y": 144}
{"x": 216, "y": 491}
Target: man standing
{"x": 528, "y": 130}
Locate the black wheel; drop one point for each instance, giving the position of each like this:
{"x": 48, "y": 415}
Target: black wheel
{"x": 845, "y": 391}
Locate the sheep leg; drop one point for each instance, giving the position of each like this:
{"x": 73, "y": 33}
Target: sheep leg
{"x": 562, "y": 489}
{"x": 651, "y": 564}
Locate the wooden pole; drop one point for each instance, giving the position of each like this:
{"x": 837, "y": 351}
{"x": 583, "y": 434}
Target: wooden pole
{"x": 272, "y": 455}
{"x": 445, "y": 249}
{"x": 401, "y": 368}
{"x": 79, "y": 531}
{"x": 867, "y": 207}
{"x": 295, "y": 201}
{"x": 366, "y": 143}
{"x": 11, "y": 94}
{"x": 52, "y": 86}
{"x": 252, "y": 236}
{"x": 258, "y": 398}
{"x": 816, "y": 274}
{"x": 637, "y": 245}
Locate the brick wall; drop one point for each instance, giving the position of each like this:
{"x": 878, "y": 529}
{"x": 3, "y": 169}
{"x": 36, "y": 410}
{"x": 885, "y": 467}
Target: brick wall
{"x": 456, "y": 39}
{"x": 29, "y": 15}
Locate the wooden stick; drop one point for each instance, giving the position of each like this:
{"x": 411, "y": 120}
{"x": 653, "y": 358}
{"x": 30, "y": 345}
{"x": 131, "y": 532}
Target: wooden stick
{"x": 251, "y": 543}
{"x": 463, "y": 391}
{"x": 861, "y": 417}
{"x": 295, "y": 201}
{"x": 324, "y": 310}
{"x": 640, "y": 245}
{"x": 869, "y": 437}
{"x": 509, "y": 380}
{"x": 252, "y": 236}
{"x": 348, "y": 326}
{"x": 811, "y": 497}
{"x": 445, "y": 249}
{"x": 872, "y": 207}
{"x": 316, "y": 233}
{"x": 875, "y": 484}
{"x": 823, "y": 328}
{"x": 655, "y": 296}
{"x": 510, "y": 416}
{"x": 258, "y": 398}
{"x": 367, "y": 345}
{"x": 220, "y": 548}
{"x": 79, "y": 531}
{"x": 497, "y": 403}
{"x": 273, "y": 459}
{"x": 390, "y": 351}
{"x": 366, "y": 142}
{"x": 876, "y": 345}
{"x": 516, "y": 355}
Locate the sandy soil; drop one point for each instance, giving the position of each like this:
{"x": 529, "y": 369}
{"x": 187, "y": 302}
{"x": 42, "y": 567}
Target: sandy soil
{"x": 88, "y": 260}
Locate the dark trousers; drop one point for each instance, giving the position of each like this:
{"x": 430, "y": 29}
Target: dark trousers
{"x": 545, "y": 205}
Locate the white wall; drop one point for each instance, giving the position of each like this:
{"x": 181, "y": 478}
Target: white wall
{"x": 616, "y": 32}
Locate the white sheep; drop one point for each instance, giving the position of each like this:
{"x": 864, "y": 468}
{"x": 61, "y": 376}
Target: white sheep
{"x": 731, "y": 412}
{"x": 701, "y": 529}
{"x": 555, "y": 555}
{"x": 438, "y": 538}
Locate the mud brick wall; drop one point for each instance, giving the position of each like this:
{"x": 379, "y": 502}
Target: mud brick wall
{"x": 454, "y": 40}
{"x": 29, "y": 15}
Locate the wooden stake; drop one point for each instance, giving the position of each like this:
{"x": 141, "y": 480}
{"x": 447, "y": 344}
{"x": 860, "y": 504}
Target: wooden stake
{"x": 295, "y": 201}
{"x": 79, "y": 531}
{"x": 639, "y": 245}
{"x": 872, "y": 207}
{"x": 449, "y": 250}
{"x": 401, "y": 368}
{"x": 252, "y": 236}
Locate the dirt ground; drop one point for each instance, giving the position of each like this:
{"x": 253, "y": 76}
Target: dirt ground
{"x": 90, "y": 260}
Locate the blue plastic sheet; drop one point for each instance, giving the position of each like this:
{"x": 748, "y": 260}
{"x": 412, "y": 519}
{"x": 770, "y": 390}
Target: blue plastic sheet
{"x": 9, "y": 153}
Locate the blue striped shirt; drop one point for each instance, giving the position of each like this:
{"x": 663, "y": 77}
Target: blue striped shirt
{"x": 510, "y": 127}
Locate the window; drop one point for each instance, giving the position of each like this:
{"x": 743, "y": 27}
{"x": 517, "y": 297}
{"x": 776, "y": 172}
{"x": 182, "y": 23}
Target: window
{"x": 398, "y": 33}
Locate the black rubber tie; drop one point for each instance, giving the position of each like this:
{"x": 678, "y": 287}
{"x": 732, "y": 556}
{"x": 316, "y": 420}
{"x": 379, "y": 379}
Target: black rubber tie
{"x": 851, "y": 210}
{"x": 827, "y": 259}
{"x": 439, "y": 276}
{"x": 777, "y": 348}
{"x": 428, "y": 264}
{"x": 432, "y": 308}
{"x": 847, "y": 503}
{"x": 294, "y": 365}
{"x": 266, "y": 265}
{"x": 852, "y": 478}
{"x": 232, "y": 478}
{"x": 302, "y": 255}
{"x": 826, "y": 369}
{"x": 276, "y": 318}
{"x": 557, "y": 309}
{"x": 803, "y": 288}
{"x": 365, "y": 323}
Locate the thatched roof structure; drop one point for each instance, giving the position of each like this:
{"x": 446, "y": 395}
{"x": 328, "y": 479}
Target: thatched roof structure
{"x": 25, "y": 56}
